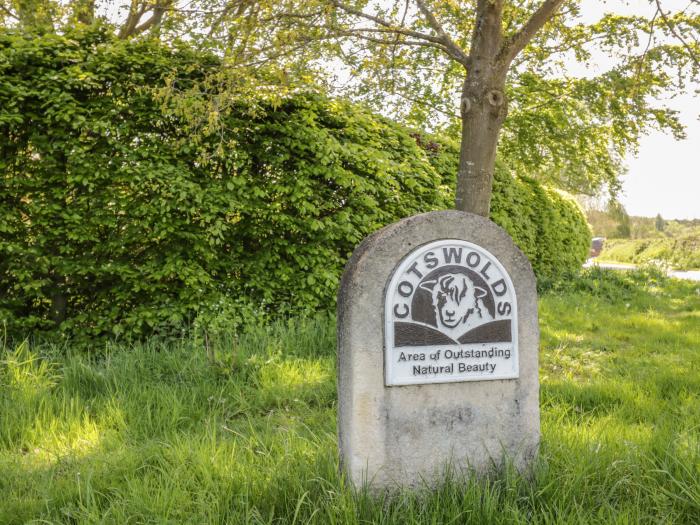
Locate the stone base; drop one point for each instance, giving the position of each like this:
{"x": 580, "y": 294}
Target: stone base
{"x": 408, "y": 435}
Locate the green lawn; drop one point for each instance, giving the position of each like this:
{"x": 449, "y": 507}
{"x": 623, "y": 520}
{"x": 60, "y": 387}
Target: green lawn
{"x": 157, "y": 433}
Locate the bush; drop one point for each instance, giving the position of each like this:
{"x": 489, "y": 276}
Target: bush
{"x": 120, "y": 222}
{"x": 111, "y": 224}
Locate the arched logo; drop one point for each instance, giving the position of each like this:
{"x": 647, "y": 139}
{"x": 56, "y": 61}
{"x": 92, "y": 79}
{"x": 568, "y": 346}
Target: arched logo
{"x": 451, "y": 315}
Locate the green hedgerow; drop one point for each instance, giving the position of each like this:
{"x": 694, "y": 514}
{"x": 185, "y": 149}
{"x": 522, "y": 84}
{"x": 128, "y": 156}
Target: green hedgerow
{"x": 118, "y": 221}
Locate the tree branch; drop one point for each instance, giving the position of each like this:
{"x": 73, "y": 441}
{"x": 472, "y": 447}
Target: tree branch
{"x": 84, "y": 11}
{"x": 154, "y": 21}
{"x": 455, "y": 51}
{"x": 640, "y": 62}
{"x": 677, "y": 34}
{"x": 8, "y": 12}
{"x": 517, "y": 42}
{"x": 132, "y": 27}
{"x": 358, "y": 12}
{"x": 437, "y": 42}
{"x": 240, "y": 9}
{"x": 396, "y": 31}
{"x": 384, "y": 23}
{"x": 354, "y": 33}
{"x": 136, "y": 11}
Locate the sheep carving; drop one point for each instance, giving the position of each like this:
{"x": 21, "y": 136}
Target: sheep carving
{"x": 458, "y": 303}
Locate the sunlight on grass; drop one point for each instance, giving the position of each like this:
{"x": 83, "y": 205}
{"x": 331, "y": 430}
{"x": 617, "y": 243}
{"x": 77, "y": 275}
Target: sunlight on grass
{"x": 26, "y": 373}
{"x": 287, "y": 379}
{"x": 61, "y": 439}
{"x": 572, "y": 363}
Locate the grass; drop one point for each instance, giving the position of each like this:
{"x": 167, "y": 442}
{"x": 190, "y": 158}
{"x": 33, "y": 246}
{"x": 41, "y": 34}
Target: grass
{"x": 159, "y": 433}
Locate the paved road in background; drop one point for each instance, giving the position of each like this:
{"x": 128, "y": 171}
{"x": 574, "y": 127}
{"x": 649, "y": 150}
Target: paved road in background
{"x": 693, "y": 275}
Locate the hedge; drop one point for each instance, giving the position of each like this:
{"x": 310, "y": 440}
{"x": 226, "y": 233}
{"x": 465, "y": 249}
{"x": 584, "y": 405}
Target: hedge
{"x": 117, "y": 222}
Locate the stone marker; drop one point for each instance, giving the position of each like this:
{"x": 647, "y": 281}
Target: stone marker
{"x": 437, "y": 352}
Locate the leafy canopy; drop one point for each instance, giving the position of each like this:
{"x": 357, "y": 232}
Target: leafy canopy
{"x": 568, "y": 124}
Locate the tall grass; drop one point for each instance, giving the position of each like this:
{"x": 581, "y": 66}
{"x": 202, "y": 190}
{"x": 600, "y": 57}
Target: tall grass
{"x": 166, "y": 433}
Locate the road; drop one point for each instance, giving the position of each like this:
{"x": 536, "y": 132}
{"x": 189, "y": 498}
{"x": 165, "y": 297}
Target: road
{"x": 693, "y": 275}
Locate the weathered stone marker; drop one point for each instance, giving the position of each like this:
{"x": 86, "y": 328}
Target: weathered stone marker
{"x": 437, "y": 352}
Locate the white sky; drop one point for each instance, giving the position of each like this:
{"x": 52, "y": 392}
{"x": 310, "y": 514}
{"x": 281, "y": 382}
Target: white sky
{"x": 665, "y": 176}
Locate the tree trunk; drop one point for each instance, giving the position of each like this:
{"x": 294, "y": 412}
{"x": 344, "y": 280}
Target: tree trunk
{"x": 483, "y": 111}
{"x": 59, "y": 300}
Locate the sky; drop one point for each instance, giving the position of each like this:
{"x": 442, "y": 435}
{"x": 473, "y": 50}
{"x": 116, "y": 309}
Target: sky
{"x": 665, "y": 175}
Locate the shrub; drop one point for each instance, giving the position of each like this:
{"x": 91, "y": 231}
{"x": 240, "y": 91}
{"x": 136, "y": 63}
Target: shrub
{"x": 110, "y": 223}
{"x": 118, "y": 222}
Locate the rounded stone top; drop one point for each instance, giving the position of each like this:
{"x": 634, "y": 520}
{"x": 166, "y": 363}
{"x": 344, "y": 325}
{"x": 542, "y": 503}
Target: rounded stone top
{"x": 391, "y": 243}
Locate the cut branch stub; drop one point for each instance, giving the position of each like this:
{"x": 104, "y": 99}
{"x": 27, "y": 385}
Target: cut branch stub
{"x": 465, "y": 105}
{"x": 495, "y": 97}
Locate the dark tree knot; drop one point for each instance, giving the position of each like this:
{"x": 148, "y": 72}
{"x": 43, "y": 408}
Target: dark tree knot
{"x": 495, "y": 97}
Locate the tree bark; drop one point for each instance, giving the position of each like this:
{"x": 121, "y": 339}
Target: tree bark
{"x": 483, "y": 110}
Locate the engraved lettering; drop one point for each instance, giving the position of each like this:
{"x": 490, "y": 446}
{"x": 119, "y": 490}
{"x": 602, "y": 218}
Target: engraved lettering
{"x": 503, "y": 308}
{"x": 450, "y": 315}
{"x": 482, "y": 367}
{"x": 405, "y": 289}
{"x": 414, "y": 269}
{"x": 411, "y": 357}
{"x": 483, "y": 271}
{"x": 452, "y": 255}
{"x": 403, "y": 314}
{"x": 499, "y": 287}
{"x": 473, "y": 259}
{"x": 430, "y": 260}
